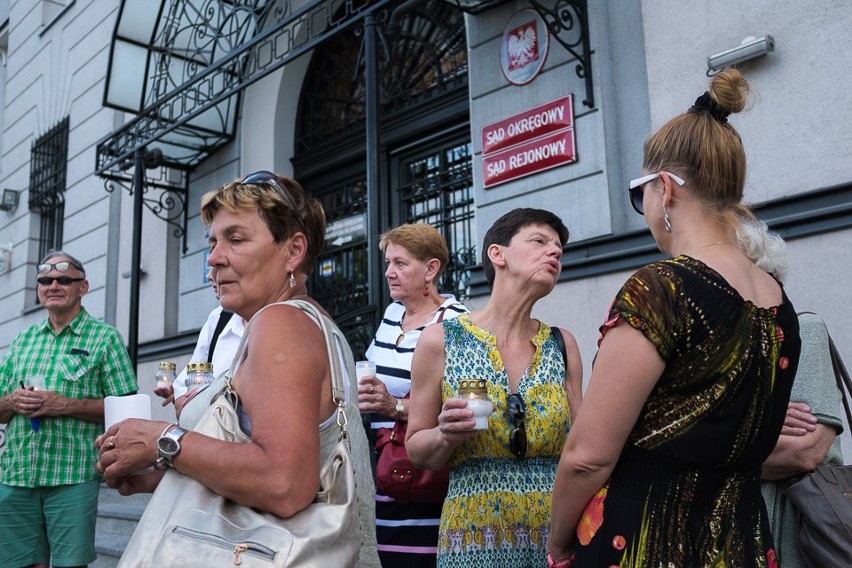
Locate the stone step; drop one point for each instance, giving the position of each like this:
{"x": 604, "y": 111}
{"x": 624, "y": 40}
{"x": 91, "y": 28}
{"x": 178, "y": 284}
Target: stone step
{"x": 109, "y": 548}
{"x": 111, "y": 496}
{"x": 117, "y": 518}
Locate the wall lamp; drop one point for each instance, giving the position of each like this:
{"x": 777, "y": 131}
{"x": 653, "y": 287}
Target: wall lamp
{"x": 10, "y": 200}
{"x": 750, "y": 48}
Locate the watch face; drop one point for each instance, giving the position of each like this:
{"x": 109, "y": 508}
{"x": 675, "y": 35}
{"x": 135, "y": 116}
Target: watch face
{"x": 168, "y": 446}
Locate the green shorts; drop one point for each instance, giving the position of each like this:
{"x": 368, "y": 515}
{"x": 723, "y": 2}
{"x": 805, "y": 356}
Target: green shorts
{"x": 36, "y": 524}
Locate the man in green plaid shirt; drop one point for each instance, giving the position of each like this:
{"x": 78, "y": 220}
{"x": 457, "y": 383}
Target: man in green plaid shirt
{"x": 53, "y": 380}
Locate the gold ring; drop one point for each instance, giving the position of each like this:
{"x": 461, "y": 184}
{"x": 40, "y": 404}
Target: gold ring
{"x": 110, "y": 444}
{"x": 372, "y": 388}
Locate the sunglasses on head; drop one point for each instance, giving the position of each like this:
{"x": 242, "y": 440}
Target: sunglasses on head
{"x": 61, "y": 266}
{"x": 264, "y": 177}
{"x": 63, "y": 280}
{"x": 518, "y": 434}
{"x": 637, "y": 191}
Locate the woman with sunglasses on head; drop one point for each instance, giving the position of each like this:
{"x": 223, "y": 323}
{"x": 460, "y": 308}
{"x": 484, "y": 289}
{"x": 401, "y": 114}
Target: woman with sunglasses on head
{"x": 497, "y": 510}
{"x": 690, "y": 385}
{"x": 265, "y": 235}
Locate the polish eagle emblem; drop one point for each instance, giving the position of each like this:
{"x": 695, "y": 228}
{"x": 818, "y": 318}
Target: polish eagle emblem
{"x": 522, "y": 46}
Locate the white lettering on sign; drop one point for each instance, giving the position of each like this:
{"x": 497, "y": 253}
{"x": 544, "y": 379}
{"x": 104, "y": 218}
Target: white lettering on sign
{"x": 530, "y": 123}
{"x": 534, "y": 155}
{"x": 534, "y": 123}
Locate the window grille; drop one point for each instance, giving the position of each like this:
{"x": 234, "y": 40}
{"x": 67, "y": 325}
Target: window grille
{"x": 438, "y": 189}
{"x": 48, "y": 168}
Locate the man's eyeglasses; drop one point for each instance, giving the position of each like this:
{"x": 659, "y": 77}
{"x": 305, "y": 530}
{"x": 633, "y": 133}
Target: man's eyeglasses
{"x": 264, "y": 177}
{"x": 63, "y": 280}
{"x": 61, "y": 266}
{"x": 637, "y": 192}
{"x": 518, "y": 434}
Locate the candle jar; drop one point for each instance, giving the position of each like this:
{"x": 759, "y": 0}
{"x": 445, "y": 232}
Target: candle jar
{"x": 474, "y": 391}
{"x": 199, "y": 374}
{"x": 165, "y": 375}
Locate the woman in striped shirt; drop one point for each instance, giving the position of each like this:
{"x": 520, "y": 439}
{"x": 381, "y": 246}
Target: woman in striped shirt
{"x": 415, "y": 255}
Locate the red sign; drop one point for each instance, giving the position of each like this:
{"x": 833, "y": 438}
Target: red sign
{"x": 527, "y": 125}
{"x": 530, "y": 157}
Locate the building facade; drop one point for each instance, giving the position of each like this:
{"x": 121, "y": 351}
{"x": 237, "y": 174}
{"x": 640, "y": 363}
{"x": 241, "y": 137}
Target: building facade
{"x": 391, "y": 112}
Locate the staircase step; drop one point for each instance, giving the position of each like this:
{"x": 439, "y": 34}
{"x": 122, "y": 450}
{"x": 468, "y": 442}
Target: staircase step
{"x": 118, "y": 519}
{"x": 109, "y": 548}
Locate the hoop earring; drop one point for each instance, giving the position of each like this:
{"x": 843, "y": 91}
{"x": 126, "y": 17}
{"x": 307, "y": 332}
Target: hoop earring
{"x": 667, "y": 224}
{"x": 292, "y": 280}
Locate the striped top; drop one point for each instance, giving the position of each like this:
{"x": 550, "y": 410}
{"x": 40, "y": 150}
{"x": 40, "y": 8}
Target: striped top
{"x": 393, "y": 363}
{"x": 87, "y": 359}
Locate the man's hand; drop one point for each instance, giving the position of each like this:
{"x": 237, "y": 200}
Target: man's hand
{"x": 166, "y": 392}
{"x": 28, "y": 401}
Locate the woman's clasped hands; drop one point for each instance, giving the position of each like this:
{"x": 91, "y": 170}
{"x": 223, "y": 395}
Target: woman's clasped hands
{"x": 127, "y": 453}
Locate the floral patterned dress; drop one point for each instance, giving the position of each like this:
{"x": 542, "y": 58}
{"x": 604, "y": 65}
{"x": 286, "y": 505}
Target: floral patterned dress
{"x": 686, "y": 489}
{"x": 497, "y": 512}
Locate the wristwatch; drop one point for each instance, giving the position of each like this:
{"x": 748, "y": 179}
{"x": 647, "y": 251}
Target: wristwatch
{"x": 168, "y": 446}
{"x": 400, "y": 408}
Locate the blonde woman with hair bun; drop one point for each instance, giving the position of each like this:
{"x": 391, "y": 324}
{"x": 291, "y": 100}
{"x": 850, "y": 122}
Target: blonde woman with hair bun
{"x": 692, "y": 378}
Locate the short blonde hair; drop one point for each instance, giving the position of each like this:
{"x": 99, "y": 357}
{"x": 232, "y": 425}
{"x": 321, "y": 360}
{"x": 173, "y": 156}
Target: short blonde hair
{"x": 281, "y": 220}
{"x": 422, "y": 240}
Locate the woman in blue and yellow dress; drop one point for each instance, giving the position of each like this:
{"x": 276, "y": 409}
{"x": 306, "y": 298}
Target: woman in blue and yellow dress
{"x": 497, "y": 511}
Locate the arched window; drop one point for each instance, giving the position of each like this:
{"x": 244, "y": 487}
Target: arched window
{"x": 425, "y": 152}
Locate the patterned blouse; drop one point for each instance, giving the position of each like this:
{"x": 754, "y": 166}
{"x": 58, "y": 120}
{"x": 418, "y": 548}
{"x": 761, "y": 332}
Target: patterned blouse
{"x": 497, "y": 512}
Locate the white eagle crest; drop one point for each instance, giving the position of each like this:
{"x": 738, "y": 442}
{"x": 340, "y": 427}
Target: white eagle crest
{"x": 522, "y": 47}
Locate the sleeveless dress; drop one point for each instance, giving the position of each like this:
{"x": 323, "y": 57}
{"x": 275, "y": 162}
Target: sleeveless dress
{"x": 686, "y": 489}
{"x": 497, "y": 512}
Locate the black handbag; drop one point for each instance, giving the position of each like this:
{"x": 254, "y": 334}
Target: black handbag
{"x": 823, "y": 498}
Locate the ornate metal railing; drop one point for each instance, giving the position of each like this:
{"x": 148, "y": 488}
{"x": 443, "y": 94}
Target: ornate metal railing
{"x": 568, "y": 21}
{"x": 272, "y": 48}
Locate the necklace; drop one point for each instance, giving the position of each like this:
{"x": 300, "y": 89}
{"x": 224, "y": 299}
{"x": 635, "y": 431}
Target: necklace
{"x": 710, "y": 245}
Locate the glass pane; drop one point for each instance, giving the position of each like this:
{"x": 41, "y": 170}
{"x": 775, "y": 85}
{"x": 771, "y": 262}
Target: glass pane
{"x": 438, "y": 189}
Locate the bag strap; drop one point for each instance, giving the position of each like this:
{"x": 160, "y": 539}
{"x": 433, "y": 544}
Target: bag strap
{"x": 844, "y": 384}
{"x": 224, "y": 317}
{"x": 330, "y": 333}
{"x": 560, "y": 342}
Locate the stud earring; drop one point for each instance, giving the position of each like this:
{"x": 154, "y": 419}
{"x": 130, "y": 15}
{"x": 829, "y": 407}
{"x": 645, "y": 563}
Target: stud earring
{"x": 667, "y": 224}
{"x": 292, "y": 280}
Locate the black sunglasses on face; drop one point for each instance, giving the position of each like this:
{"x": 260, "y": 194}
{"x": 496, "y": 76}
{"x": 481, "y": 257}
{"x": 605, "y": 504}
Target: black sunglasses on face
{"x": 264, "y": 177}
{"x": 518, "y": 434}
{"x": 63, "y": 280}
{"x": 61, "y": 266}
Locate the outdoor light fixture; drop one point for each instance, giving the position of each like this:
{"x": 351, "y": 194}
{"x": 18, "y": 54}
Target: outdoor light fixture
{"x": 750, "y": 48}
{"x": 10, "y": 200}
